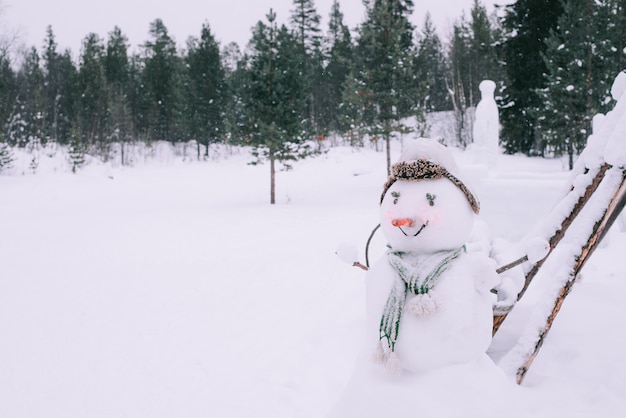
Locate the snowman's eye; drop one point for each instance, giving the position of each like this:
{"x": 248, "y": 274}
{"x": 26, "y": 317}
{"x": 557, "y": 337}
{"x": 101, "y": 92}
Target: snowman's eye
{"x": 431, "y": 199}
{"x": 395, "y": 196}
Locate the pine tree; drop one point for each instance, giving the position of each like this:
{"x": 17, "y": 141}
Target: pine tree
{"x": 484, "y": 61}
{"x": 355, "y": 108}
{"x": 52, "y": 81}
{"x": 67, "y": 97}
{"x": 460, "y": 84}
{"x": 610, "y": 47}
{"x": 93, "y": 98}
{"x": 8, "y": 93}
{"x": 76, "y": 152}
{"x": 60, "y": 78}
{"x": 384, "y": 54}
{"x": 26, "y": 122}
{"x": 116, "y": 59}
{"x": 6, "y": 157}
{"x": 206, "y": 90}
{"x": 117, "y": 74}
{"x": 274, "y": 98}
{"x": 305, "y": 22}
{"x": 473, "y": 58}
{"x": 431, "y": 69}
{"x": 337, "y": 69}
{"x": 579, "y": 58}
{"x": 235, "y": 80}
{"x": 140, "y": 102}
{"x": 527, "y": 25}
{"x": 162, "y": 81}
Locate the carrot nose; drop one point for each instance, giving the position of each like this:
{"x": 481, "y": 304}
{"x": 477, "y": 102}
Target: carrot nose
{"x": 402, "y": 222}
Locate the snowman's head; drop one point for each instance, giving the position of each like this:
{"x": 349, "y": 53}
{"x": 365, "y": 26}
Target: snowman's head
{"x": 424, "y": 207}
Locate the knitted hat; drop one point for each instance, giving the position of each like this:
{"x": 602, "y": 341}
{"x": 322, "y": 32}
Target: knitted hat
{"x": 422, "y": 169}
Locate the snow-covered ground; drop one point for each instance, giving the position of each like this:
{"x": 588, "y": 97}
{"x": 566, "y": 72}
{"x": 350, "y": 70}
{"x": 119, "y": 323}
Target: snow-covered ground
{"x": 173, "y": 289}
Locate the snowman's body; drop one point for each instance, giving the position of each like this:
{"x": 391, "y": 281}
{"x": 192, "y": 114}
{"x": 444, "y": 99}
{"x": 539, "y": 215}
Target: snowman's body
{"x": 424, "y": 215}
{"x": 460, "y": 330}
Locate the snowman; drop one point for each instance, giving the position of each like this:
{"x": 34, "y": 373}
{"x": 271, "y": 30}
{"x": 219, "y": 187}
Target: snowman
{"x": 486, "y": 129}
{"x": 429, "y": 305}
{"x": 429, "y": 300}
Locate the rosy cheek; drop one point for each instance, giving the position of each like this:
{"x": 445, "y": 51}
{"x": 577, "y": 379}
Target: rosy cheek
{"x": 431, "y": 217}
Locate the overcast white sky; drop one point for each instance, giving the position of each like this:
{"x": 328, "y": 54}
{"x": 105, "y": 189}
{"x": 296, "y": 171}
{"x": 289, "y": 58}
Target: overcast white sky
{"x": 230, "y": 20}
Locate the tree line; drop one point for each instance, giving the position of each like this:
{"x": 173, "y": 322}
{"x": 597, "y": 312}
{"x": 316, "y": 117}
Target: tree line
{"x": 553, "y": 61}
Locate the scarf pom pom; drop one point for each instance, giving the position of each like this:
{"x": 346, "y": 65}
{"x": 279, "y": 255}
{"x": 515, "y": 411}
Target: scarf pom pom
{"x": 423, "y": 305}
{"x": 393, "y": 364}
{"x": 379, "y": 356}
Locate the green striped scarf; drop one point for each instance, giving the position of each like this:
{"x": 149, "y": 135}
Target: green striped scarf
{"x": 417, "y": 274}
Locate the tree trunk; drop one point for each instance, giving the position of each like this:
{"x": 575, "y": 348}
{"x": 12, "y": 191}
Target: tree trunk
{"x": 570, "y": 154}
{"x": 272, "y": 178}
{"x": 388, "y": 144}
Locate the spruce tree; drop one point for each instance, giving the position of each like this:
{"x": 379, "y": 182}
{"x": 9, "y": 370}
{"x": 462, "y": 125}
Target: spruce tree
{"x": 235, "y": 80}
{"x": 484, "y": 63}
{"x": 610, "y": 47}
{"x": 274, "y": 98}
{"x": 117, "y": 74}
{"x": 8, "y": 93}
{"x": 384, "y": 55}
{"x": 473, "y": 58}
{"x": 116, "y": 59}
{"x": 162, "y": 83}
{"x": 460, "y": 84}
{"x": 527, "y": 25}
{"x": 76, "y": 152}
{"x": 93, "y": 98}
{"x": 67, "y": 96}
{"x": 564, "y": 116}
{"x": 59, "y": 90}
{"x": 431, "y": 69}
{"x": 205, "y": 93}
{"x": 355, "y": 108}
{"x": 139, "y": 100}
{"x": 580, "y": 58}
{"x": 337, "y": 69}
{"x": 52, "y": 83}
{"x": 6, "y": 157}
{"x": 26, "y": 123}
{"x": 305, "y": 22}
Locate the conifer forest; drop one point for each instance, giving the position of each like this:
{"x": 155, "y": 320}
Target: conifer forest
{"x": 297, "y": 82}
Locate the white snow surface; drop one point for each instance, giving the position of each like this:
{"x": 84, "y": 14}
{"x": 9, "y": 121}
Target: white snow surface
{"x": 173, "y": 289}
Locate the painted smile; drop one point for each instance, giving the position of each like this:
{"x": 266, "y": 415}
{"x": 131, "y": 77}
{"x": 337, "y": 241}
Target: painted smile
{"x": 418, "y": 231}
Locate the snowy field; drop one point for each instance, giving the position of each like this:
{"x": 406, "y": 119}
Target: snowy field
{"x": 173, "y": 289}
